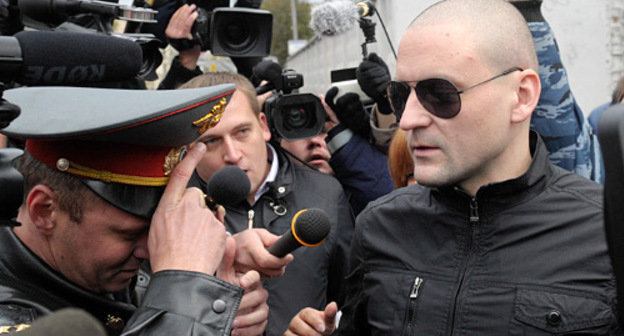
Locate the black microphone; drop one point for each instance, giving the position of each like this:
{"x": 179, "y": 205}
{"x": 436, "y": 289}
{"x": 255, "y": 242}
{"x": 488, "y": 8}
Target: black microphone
{"x": 309, "y": 227}
{"x": 228, "y": 186}
{"x": 336, "y": 17}
{"x": 65, "y": 322}
{"x": 65, "y": 58}
{"x": 269, "y": 71}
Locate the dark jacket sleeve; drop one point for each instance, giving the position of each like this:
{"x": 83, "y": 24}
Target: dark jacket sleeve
{"x": 338, "y": 263}
{"x": 361, "y": 169}
{"x": 178, "y": 74}
{"x": 353, "y": 319}
{"x": 185, "y": 304}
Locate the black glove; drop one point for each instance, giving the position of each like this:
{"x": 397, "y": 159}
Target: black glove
{"x": 8, "y": 112}
{"x": 373, "y": 77}
{"x": 531, "y": 10}
{"x": 350, "y": 111}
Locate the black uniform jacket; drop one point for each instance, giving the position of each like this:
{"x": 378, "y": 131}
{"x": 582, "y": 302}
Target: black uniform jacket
{"x": 176, "y": 302}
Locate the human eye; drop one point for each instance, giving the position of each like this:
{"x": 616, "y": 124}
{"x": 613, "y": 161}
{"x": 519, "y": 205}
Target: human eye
{"x": 243, "y": 132}
{"x": 210, "y": 142}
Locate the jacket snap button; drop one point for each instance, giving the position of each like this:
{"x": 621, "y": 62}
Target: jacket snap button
{"x": 553, "y": 318}
{"x": 218, "y": 306}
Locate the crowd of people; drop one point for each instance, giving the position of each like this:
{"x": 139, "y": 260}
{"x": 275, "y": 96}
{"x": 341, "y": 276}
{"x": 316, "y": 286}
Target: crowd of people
{"x": 466, "y": 201}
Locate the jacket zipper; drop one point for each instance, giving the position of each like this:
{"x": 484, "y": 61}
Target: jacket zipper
{"x": 250, "y": 218}
{"x": 411, "y": 311}
{"x": 473, "y": 220}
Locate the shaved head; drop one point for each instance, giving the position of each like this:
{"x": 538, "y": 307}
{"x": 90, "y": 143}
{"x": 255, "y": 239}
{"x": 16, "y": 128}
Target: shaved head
{"x": 496, "y": 27}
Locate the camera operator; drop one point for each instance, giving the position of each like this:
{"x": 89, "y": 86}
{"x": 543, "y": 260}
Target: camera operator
{"x": 184, "y": 66}
{"x": 360, "y": 168}
{"x": 279, "y": 189}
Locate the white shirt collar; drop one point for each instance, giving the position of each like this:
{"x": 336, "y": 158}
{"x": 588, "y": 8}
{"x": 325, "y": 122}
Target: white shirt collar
{"x": 270, "y": 177}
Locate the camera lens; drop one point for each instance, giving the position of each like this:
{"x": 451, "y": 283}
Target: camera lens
{"x": 236, "y": 33}
{"x": 296, "y": 117}
{"x": 236, "y": 36}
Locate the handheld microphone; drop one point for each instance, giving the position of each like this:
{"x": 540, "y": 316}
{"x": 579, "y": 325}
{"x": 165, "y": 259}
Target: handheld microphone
{"x": 65, "y": 322}
{"x": 336, "y": 17}
{"x": 309, "y": 227}
{"x": 228, "y": 186}
{"x": 65, "y": 58}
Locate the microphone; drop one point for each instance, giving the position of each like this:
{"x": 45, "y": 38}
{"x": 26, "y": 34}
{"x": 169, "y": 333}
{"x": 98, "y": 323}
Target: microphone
{"x": 228, "y": 186}
{"x": 269, "y": 71}
{"x": 309, "y": 227}
{"x": 52, "y": 58}
{"x": 336, "y": 17}
{"x": 65, "y": 322}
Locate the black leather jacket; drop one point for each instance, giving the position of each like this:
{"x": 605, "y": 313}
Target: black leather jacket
{"x": 317, "y": 273}
{"x": 176, "y": 302}
{"x": 524, "y": 257}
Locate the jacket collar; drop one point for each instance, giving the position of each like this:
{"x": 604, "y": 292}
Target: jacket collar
{"x": 43, "y": 285}
{"x": 503, "y": 194}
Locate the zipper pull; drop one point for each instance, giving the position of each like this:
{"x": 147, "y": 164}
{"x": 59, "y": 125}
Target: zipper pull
{"x": 474, "y": 211}
{"x": 416, "y": 287}
{"x": 250, "y": 217}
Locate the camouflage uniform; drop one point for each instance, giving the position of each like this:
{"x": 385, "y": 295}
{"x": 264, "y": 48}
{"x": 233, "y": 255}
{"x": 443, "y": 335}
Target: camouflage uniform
{"x": 557, "y": 118}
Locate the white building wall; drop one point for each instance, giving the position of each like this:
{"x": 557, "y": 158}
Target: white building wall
{"x": 590, "y": 34}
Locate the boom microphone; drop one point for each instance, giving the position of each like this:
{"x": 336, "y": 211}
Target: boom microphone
{"x": 65, "y": 322}
{"x": 65, "y": 58}
{"x": 228, "y": 186}
{"x": 336, "y": 17}
{"x": 269, "y": 71}
{"x": 309, "y": 227}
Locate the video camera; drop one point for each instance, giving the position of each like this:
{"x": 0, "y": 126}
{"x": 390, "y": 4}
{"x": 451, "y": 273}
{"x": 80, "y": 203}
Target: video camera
{"x": 96, "y": 17}
{"x": 293, "y": 115}
{"x": 235, "y": 31}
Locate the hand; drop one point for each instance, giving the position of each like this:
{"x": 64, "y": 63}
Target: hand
{"x": 263, "y": 97}
{"x": 350, "y": 111}
{"x": 252, "y": 254}
{"x": 181, "y": 22}
{"x": 332, "y": 120}
{"x": 183, "y": 225}
{"x": 373, "y": 77}
{"x": 253, "y": 312}
{"x": 313, "y": 322}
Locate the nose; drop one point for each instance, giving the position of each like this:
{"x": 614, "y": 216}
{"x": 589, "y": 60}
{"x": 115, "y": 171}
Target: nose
{"x": 232, "y": 154}
{"x": 414, "y": 114}
{"x": 317, "y": 141}
{"x": 140, "y": 250}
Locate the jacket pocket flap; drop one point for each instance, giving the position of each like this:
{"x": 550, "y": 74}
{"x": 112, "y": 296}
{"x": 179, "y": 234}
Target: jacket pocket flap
{"x": 557, "y": 313}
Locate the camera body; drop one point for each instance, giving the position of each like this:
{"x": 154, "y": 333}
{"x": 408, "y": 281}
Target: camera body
{"x": 293, "y": 115}
{"x": 243, "y": 32}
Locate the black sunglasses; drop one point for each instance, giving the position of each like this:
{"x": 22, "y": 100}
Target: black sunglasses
{"x": 438, "y": 96}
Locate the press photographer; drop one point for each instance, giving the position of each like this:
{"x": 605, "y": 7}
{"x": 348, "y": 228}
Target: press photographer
{"x": 244, "y": 34}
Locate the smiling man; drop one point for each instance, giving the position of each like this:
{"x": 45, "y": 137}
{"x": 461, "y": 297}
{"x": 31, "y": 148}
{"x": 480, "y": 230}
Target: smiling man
{"x": 495, "y": 239}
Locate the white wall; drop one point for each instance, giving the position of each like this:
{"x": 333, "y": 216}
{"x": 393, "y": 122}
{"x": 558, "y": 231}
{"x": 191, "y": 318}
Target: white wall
{"x": 589, "y": 34}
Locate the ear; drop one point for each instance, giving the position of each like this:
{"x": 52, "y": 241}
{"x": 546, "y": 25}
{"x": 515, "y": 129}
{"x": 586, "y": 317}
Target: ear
{"x": 42, "y": 208}
{"x": 528, "y": 93}
{"x": 266, "y": 133}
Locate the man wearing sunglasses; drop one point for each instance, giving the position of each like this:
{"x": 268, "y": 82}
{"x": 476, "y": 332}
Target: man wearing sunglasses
{"x": 495, "y": 240}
